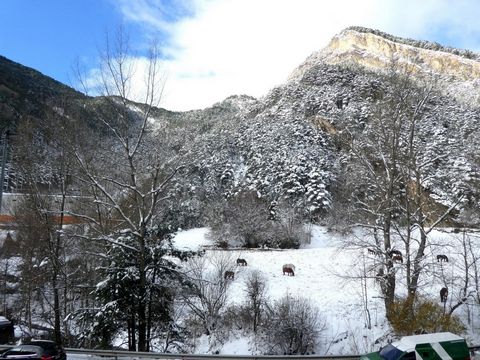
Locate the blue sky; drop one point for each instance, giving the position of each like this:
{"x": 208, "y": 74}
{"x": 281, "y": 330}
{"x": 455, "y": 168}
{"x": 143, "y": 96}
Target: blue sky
{"x": 49, "y": 35}
{"x": 216, "y": 48}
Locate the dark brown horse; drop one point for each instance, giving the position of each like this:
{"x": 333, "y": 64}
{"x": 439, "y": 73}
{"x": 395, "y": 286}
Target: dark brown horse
{"x": 393, "y": 252}
{"x": 380, "y": 277}
{"x": 442, "y": 258}
{"x": 241, "y": 262}
{"x": 443, "y": 295}
{"x": 397, "y": 258}
{"x": 287, "y": 269}
{"x": 229, "y": 275}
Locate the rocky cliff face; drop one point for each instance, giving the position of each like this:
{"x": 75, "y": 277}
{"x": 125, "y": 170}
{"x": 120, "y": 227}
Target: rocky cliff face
{"x": 457, "y": 71}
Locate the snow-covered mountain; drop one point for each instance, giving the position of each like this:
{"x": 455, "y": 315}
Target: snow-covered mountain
{"x": 459, "y": 70}
{"x": 289, "y": 145}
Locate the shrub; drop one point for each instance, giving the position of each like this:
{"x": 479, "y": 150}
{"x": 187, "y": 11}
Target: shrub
{"x": 292, "y": 327}
{"x": 249, "y": 221}
{"x": 243, "y": 220}
{"x": 423, "y": 316}
{"x": 288, "y": 230}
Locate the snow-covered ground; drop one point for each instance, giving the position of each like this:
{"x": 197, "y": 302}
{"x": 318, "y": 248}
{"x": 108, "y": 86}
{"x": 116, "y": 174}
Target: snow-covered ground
{"x": 193, "y": 239}
{"x": 328, "y": 277}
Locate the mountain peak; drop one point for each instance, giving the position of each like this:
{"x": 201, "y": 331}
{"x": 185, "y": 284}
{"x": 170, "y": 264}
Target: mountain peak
{"x": 458, "y": 70}
{"x": 422, "y": 44}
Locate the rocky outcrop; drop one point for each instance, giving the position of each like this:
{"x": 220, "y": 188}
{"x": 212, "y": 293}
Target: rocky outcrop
{"x": 458, "y": 75}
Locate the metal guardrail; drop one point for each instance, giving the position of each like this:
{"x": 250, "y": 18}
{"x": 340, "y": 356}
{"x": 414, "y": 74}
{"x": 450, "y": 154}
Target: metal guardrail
{"x": 117, "y": 354}
{"x": 152, "y": 355}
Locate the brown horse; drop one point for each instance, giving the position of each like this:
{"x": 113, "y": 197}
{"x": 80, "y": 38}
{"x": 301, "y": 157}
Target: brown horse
{"x": 379, "y": 277}
{"x": 397, "y": 258}
{"x": 241, "y": 262}
{"x": 442, "y": 258}
{"x": 287, "y": 269}
{"x": 443, "y": 295}
{"x": 229, "y": 275}
{"x": 393, "y": 252}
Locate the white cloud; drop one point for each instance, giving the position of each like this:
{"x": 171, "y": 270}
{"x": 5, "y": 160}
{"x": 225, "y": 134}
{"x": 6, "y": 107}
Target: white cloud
{"x": 218, "y": 48}
{"x": 105, "y": 80}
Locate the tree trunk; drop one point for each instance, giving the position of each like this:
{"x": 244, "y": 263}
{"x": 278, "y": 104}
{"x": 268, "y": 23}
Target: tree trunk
{"x": 133, "y": 331}
{"x": 390, "y": 280}
{"x": 149, "y": 308}
{"x": 390, "y": 292}
{"x": 412, "y": 282}
{"x": 56, "y": 269}
{"x": 142, "y": 321}
{"x": 56, "y": 307}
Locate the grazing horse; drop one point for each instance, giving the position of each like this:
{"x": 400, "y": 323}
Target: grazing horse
{"x": 393, "y": 252}
{"x": 229, "y": 275}
{"x": 442, "y": 258}
{"x": 241, "y": 262}
{"x": 379, "y": 277}
{"x": 443, "y": 295}
{"x": 287, "y": 269}
{"x": 397, "y": 258}
{"x": 339, "y": 103}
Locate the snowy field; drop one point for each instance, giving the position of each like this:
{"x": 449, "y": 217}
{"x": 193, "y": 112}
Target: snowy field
{"x": 329, "y": 277}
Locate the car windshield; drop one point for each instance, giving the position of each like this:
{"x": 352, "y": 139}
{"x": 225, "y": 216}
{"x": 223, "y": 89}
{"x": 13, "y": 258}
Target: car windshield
{"x": 31, "y": 348}
{"x": 390, "y": 352}
{"x": 18, "y": 352}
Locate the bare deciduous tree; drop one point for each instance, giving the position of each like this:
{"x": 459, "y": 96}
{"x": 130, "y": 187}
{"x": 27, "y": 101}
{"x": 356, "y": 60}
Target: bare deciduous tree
{"x": 44, "y": 163}
{"x": 256, "y": 290}
{"x": 391, "y": 163}
{"x": 459, "y": 275}
{"x": 125, "y": 170}
{"x": 207, "y": 297}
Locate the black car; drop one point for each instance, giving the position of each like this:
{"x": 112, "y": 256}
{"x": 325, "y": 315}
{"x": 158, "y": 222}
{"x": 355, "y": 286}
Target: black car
{"x": 52, "y": 351}
{"x": 36, "y": 350}
{"x": 6, "y": 331}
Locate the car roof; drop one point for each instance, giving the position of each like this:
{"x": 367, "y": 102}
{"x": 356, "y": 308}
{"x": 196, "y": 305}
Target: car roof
{"x": 4, "y": 321}
{"x": 42, "y": 340}
{"x": 408, "y": 343}
{"x": 42, "y": 343}
{"x": 27, "y": 347}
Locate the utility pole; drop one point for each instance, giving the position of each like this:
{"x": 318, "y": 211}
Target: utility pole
{"x": 4, "y": 160}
